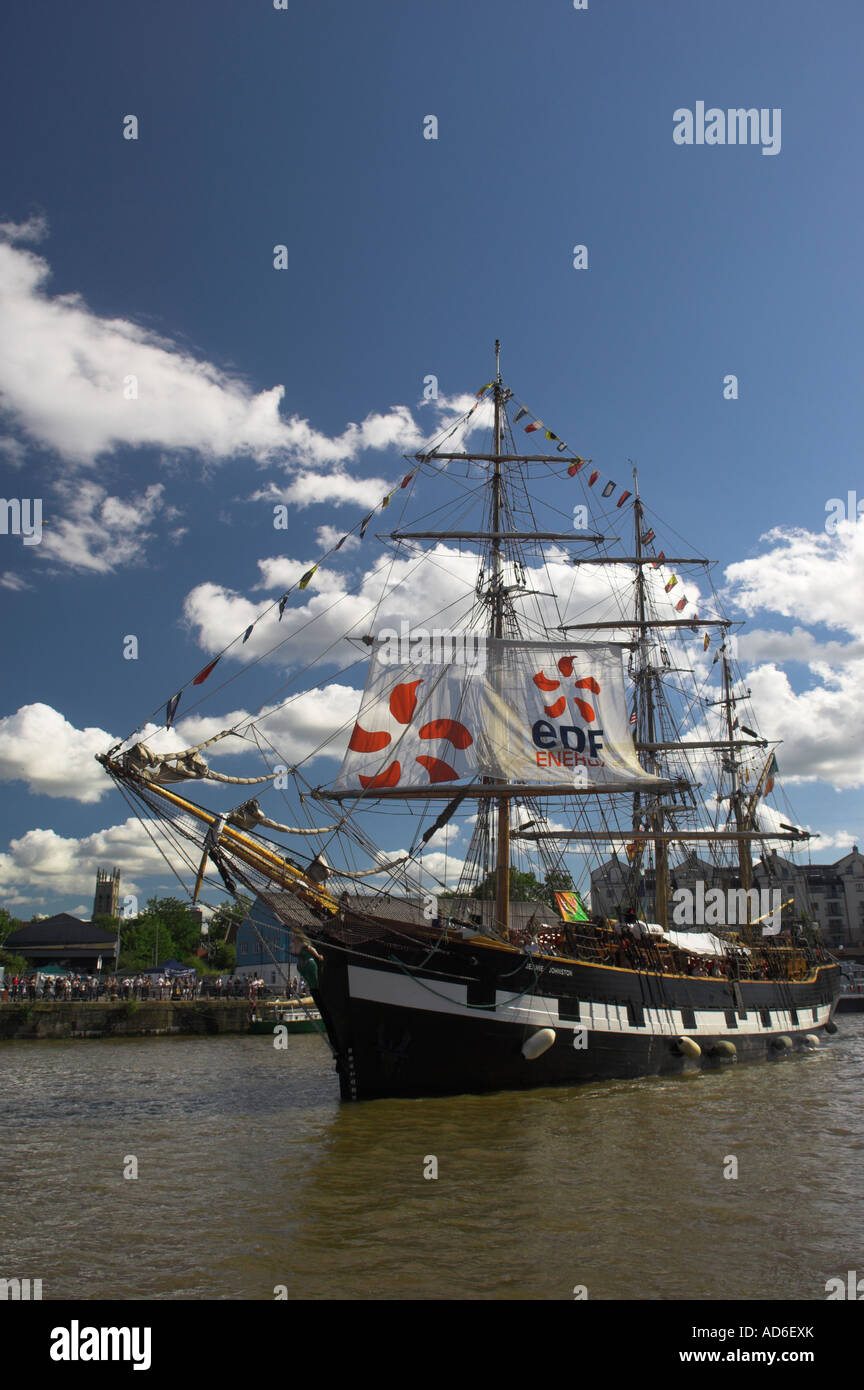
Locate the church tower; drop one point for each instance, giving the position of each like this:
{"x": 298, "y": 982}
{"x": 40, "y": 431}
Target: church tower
{"x": 107, "y": 897}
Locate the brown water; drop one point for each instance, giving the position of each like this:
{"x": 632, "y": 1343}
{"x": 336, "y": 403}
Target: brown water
{"x": 253, "y": 1175}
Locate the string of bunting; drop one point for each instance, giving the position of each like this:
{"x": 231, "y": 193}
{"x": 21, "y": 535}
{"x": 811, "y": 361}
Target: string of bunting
{"x": 535, "y": 424}
{"x": 608, "y": 490}
{"x": 302, "y": 583}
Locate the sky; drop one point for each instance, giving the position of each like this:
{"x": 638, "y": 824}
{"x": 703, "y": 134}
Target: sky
{"x": 163, "y": 383}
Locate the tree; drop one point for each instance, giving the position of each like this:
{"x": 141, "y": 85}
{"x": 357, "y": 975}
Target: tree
{"x": 524, "y": 887}
{"x": 224, "y": 956}
{"x": 13, "y": 965}
{"x": 229, "y": 913}
{"x": 145, "y": 942}
{"x": 106, "y": 922}
{"x": 8, "y": 923}
{"x": 557, "y": 881}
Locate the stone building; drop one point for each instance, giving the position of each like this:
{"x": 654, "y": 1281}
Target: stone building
{"x": 829, "y": 895}
{"x": 106, "y": 900}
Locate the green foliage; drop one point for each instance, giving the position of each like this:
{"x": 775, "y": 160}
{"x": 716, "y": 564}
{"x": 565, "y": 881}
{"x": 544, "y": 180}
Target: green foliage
{"x": 524, "y": 887}
{"x": 224, "y": 956}
{"x": 167, "y": 928}
{"x": 106, "y": 922}
{"x": 557, "y": 881}
{"x": 8, "y": 923}
{"x": 145, "y": 942}
{"x": 13, "y": 965}
{"x": 229, "y": 912}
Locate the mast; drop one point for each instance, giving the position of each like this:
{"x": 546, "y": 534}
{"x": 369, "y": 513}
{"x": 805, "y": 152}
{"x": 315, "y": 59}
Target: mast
{"x": 502, "y": 866}
{"x": 745, "y": 861}
{"x": 647, "y": 733}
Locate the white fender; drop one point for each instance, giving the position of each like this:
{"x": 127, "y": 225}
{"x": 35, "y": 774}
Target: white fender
{"x": 783, "y": 1043}
{"x": 810, "y": 1040}
{"x": 538, "y": 1043}
{"x": 724, "y": 1048}
{"x": 688, "y": 1048}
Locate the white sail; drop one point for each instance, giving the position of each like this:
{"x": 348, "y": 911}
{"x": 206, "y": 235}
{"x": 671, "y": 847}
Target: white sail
{"x": 525, "y": 712}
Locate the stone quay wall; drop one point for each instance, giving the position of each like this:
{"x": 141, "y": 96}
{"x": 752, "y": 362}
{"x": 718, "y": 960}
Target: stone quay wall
{"x": 128, "y": 1019}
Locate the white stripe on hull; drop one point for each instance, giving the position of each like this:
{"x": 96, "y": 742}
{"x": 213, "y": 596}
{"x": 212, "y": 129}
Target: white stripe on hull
{"x": 387, "y": 987}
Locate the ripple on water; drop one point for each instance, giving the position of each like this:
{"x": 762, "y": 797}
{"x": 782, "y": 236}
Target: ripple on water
{"x": 251, "y": 1174}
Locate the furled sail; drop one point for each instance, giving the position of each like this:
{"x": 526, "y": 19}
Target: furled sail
{"x": 519, "y": 711}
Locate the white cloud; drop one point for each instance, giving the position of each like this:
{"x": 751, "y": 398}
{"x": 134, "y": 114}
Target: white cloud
{"x": 338, "y": 488}
{"x": 811, "y": 577}
{"x": 296, "y": 729}
{"x": 328, "y": 536}
{"x": 8, "y": 580}
{"x": 62, "y": 865}
{"x": 13, "y": 450}
{"x": 34, "y": 229}
{"x": 38, "y": 746}
{"x": 64, "y": 377}
{"x": 100, "y": 533}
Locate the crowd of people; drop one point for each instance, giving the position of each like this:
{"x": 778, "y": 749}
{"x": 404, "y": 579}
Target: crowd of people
{"x": 235, "y": 987}
{"x": 83, "y": 987}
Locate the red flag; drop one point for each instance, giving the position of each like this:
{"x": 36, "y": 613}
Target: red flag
{"x": 594, "y": 476}
{"x": 202, "y": 675}
{"x": 622, "y": 499}
{"x": 681, "y": 605}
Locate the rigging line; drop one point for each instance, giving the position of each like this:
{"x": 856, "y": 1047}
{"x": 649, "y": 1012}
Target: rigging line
{"x": 289, "y": 636}
{"x": 418, "y": 469}
{"x": 142, "y": 820}
{"x": 364, "y": 843}
{"x": 257, "y": 720}
{"x": 459, "y": 505}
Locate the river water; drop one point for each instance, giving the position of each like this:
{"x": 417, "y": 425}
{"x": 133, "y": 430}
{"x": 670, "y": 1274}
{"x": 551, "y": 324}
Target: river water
{"x": 252, "y": 1175}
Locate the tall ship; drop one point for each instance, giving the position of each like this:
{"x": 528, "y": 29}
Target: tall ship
{"x": 508, "y": 798}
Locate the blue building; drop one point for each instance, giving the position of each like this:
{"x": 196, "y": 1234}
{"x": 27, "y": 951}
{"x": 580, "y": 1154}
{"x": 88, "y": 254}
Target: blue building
{"x": 264, "y": 942}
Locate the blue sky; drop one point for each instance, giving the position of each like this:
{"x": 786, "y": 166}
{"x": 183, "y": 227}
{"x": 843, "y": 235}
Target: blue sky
{"x": 407, "y": 257}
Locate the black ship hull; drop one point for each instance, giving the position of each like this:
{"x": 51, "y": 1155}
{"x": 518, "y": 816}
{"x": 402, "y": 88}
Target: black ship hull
{"x": 408, "y": 1019}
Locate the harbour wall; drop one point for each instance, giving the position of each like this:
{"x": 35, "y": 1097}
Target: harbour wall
{"x": 128, "y": 1019}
